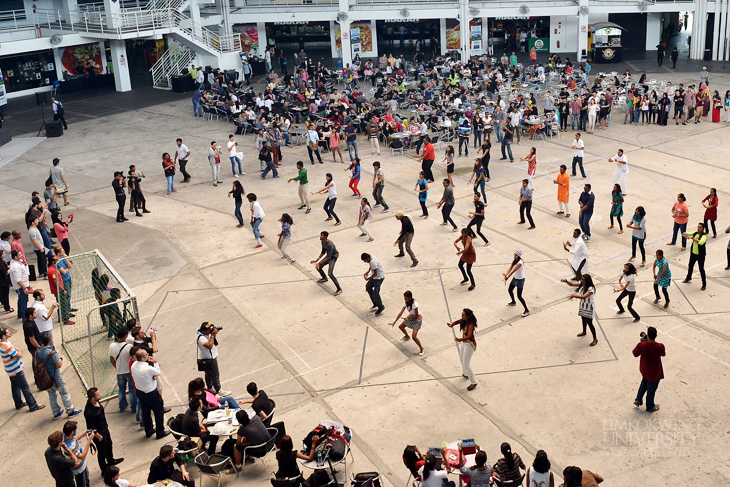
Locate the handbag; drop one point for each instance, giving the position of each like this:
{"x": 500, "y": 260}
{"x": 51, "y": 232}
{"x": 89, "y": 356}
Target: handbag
{"x": 204, "y": 364}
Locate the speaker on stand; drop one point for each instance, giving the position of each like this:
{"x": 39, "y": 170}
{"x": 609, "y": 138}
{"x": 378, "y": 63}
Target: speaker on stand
{"x": 41, "y": 99}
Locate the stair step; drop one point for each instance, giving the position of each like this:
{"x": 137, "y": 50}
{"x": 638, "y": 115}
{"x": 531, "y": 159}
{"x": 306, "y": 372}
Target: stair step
{"x": 168, "y": 88}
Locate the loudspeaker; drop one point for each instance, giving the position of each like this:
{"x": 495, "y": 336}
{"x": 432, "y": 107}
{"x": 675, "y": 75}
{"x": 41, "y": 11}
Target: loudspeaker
{"x": 41, "y": 98}
{"x": 54, "y": 128}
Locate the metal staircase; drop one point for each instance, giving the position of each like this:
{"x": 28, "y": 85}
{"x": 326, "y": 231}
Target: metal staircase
{"x": 170, "y": 64}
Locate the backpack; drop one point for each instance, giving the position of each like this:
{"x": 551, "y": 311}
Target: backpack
{"x": 320, "y": 431}
{"x": 59, "y": 109}
{"x": 319, "y": 478}
{"x": 176, "y": 422}
{"x": 332, "y": 447}
{"x": 40, "y": 373}
{"x": 228, "y": 447}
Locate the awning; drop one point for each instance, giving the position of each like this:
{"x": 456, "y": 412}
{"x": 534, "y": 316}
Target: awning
{"x": 602, "y": 25}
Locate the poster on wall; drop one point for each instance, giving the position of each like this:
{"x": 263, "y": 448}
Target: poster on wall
{"x": 75, "y": 58}
{"x": 476, "y": 37}
{"x": 355, "y": 41}
{"x": 365, "y": 31}
{"x": 3, "y": 95}
{"x": 453, "y": 33}
{"x": 249, "y": 37}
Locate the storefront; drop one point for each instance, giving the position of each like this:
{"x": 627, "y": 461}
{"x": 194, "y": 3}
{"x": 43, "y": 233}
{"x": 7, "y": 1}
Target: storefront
{"x": 392, "y": 37}
{"x": 291, "y": 34}
{"x": 605, "y": 41}
{"x": 534, "y": 27}
{"x": 28, "y": 71}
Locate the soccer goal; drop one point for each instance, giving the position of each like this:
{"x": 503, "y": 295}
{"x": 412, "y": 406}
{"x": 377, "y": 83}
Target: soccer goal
{"x": 94, "y": 302}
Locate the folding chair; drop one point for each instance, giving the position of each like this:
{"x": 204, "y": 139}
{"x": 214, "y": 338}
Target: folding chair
{"x": 260, "y": 451}
{"x": 267, "y": 419}
{"x": 213, "y": 465}
{"x": 396, "y": 145}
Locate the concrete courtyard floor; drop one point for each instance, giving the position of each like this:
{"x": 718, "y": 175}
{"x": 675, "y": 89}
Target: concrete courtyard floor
{"x": 540, "y": 387}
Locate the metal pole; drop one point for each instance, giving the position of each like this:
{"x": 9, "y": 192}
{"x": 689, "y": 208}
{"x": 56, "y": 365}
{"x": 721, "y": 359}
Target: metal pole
{"x": 91, "y": 348}
{"x": 362, "y": 360}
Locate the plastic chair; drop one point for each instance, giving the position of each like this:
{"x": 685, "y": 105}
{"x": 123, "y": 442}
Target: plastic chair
{"x": 395, "y": 146}
{"x": 287, "y": 482}
{"x": 267, "y": 419}
{"x": 260, "y": 451}
{"x": 213, "y": 466}
{"x": 509, "y": 483}
{"x": 435, "y": 140}
{"x": 365, "y": 479}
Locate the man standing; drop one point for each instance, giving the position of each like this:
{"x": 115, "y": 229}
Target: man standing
{"x": 53, "y": 363}
{"x": 21, "y": 282}
{"x": 697, "y": 253}
{"x": 660, "y": 53}
{"x": 208, "y": 349}
{"x": 30, "y": 332}
{"x": 330, "y": 254}
{"x": 427, "y": 158}
{"x": 405, "y": 237}
{"x": 705, "y": 76}
{"x": 96, "y": 420}
{"x": 578, "y": 248}
{"x": 650, "y": 366}
{"x": 351, "y": 135}
{"x": 378, "y": 185}
{"x": 58, "y": 177}
{"x": 145, "y": 373}
{"x": 118, "y": 184}
{"x": 374, "y": 281}
{"x": 302, "y": 187}
{"x": 585, "y": 202}
{"x": 58, "y": 112}
{"x": 525, "y": 202}
{"x": 507, "y": 142}
{"x": 578, "y": 153}
{"x": 119, "y": 358}
{"x": 312, "y": 140}
{"x": 267, "y": 59}
{"x": 447, "y": 200}
{"x": 563, "y": 182}
{"x": 246, "y": 68}
{"x": 621, "y": 174}
{"x": 44, "y": 318}
{"x": 373, "y": 130}
{"x": 181, "y": 155}
{"x": 81, "y": 471}
{"x": 163, "y": 468}
{"x": 63, "y": 265}
{"x": 14, "y": 368}
{"x": 61, "y": 466}
{"x": 197, "y": 109}
{"x": 233, "y": 156}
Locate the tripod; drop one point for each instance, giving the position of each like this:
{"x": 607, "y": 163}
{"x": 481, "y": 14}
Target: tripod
{"x": 43, "y": 124}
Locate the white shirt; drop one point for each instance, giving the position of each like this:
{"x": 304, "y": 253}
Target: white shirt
{"x": 182, "y": 152}
{"x": 631, "y": 279}
{"x": 435, "y": 478}
{"x": 621, "y": 167}
{"x": 5, "y": 245}
{"x": 204, "y": 351}
{"x": 580, "y": 251}
{"x": 19, "y": 273}
{"x": 121, "y": 355}
{"x": 519, "y": 273}
{"x": 143, "y": 374}
{"x": 231, "y": 149}
{"x": 578, "y": 145}
{"x": 258, "y": 212}
{"x": 199, "y": 77}
{"x": 332, "y": 191}
{"x": 43, "y": 324}
{"x": 376, "y": 266}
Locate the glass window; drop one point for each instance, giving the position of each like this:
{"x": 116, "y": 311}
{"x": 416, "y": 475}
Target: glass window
{"x": 27, "y": 71}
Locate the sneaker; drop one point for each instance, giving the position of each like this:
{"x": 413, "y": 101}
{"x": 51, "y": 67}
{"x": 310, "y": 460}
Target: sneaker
{"x": 406, "y": 338}
{"x": 371, "y": 239}
{"x": 421, "y": 352}
{"x": 74, "y": 413}
{"x": 235, "y": 175}
{"x": 637, "y": 404}
{"x": 415, "y": 263}
{"x": 363, "y": 234}
{"x": 224, "y": 393}
{"x": 444, "y": 223}
{"x": 257, "y": 246}
{"x": 302, "y": 207}
{"x": 322, "y": 280}
{"x": 385, "y": 210}
{"x": 525, "y": 314}
{"x": 234, "y": 470}
{"x": 38, "y": 407}
{"x": 379, "y": 311}
{"x": 376, "y": 205}
{"x": 58, "y": 415}
{"x": 174, "y": 191}
{"x": 454, "y": 230}
{"x": 338, "y": 292}
{"x": 308, "y": 210}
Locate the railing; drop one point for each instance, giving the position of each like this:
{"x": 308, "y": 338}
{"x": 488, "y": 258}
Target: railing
{"x": 15, "y": 20}
{"x": 289, "y": 3}
{"x": 170, "y": 64}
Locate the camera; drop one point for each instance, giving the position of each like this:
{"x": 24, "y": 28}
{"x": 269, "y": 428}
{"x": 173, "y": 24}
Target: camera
{"x": 90, "y": 433}
{"x": 643, "y": 336}
{"x": 218, "y": 328}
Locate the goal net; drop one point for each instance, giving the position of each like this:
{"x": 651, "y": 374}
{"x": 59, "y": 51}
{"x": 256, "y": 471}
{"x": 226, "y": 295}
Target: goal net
{"x": 94, "y": 302}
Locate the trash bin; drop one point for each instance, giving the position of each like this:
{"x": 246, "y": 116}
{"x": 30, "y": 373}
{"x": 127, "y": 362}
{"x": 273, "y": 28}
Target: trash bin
{"x": 708, "y": 55}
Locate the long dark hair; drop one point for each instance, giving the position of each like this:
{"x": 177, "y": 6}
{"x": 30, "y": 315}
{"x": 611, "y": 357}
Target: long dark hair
{"x": 509, "y": 459}
{"x": 541, "y": 464}
{"x": 237, "y": 185}
{"x": 588, "y": 280}
{"x": 428, "y": 466}
{"x": 109, "y": 475}
{"x": 410, "y": 457}
{"x": 196, "y": 384}
{"x": 285, "y": 218}
{"x": 467, "y": 232}
{"x": 285, "y": 447}
{"x": 470, "y": 319}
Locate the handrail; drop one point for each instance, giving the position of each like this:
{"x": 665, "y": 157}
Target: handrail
{"x": 170, "y": 64}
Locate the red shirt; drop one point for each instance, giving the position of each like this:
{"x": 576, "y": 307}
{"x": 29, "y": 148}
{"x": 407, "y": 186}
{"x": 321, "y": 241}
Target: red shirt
{"x": 650, "y": 364}
{"x": 52, "y": 280}
{"x": 428, "y": 152}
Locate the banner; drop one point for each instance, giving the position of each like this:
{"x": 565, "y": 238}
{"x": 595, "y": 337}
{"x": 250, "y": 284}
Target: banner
{"x": 75, "y": 58}
{"x": 541, "y": 44}
{"x": 3, "y": 96}
{"x": 365, "y": 31}
{"x": 476, "y": 38}
{"x": 355, "y": 46}
{"x": 249, "y": 37}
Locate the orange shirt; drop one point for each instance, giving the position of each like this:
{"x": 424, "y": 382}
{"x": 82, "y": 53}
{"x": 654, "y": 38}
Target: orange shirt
{"x": 564, "y": 190}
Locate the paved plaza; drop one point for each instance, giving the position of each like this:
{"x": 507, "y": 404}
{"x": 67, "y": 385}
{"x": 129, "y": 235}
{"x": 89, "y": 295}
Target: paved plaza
{"x": 325, "y": 357}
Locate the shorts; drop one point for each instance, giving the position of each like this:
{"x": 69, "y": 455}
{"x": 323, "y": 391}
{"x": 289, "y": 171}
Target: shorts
{"x": 450, "y": 168}
{"x": 413, "y": 323}
{"x": 520, "y": 283}
{"x": 61, "y": 188}
{"x": 678, "y": 110}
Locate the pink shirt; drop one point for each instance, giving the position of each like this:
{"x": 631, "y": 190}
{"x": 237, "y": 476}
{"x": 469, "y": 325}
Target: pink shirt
{"x": 61, "y": 231}
{"x": 681, "y": 208}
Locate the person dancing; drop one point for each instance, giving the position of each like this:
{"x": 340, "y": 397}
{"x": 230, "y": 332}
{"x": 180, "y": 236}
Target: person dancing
{"x": 628, "y": 288}
{"x": 586, "y": 293}
{"x": 517, "y": 272}
{"x": 477, "y": 218}
{"x": 468, "y": 344}
{"x": 663, "y": 278}
{"x": 468, "y": 255}
{"x": 412, "y": 320}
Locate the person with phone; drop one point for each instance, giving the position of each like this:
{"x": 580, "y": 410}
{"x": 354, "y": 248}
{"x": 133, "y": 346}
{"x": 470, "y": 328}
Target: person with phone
{"x": 61, "y": 460}
{"x": 81, "y": 472}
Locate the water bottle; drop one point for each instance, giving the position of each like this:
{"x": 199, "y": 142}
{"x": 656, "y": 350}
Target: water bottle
{"x": 319, "y": 457}
{"x": 227, "y": 413}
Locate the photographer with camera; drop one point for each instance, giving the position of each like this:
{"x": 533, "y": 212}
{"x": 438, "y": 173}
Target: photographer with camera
{"x": 208, "y": 356}
{"x": 145, "y": 373}
{"x": 81, "y": 472}
{"x": 650, "y": 366}
{"x": 97, "y": 425}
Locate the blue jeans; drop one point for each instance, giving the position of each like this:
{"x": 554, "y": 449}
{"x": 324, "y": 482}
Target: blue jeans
{"x": 329, "y": 208}
{"x": 508, "y": 144}
{"x": 19, "y": 386}
{"x": 574, "y": 117}
{"x": 170, "y": 184}
{"x": 477, "y": 138}
{"x": 480, "y": 186}
{"x": 197, "y": 109}
{"x": 138, "y": 413}
{"x": 22, "y": 303}
{"x": 350, "y": 145}
{"x": 237, "y": 212}
{"x": 62, "y": 390}
{"x": 681, "y": 227}
{"x": 256, "y": 232}
{"x": 584, "y": 220}
{"x": 232, "y": 404}
{"x": 498, "y": 132}
{"x": 648, "y": 388}
{"x": 124, "y": 381}
{"x": 286, "y": 137}
{"x": 47, "y": 244}
{"x": 235, "y": 160}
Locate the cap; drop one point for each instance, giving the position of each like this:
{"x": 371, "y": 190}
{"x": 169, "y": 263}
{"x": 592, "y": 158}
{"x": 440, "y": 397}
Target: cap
{"x": 518, "y": 252}
{"x": 206, "y": 326}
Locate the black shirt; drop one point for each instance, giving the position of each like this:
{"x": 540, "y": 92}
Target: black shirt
{"x": 96, "y": 418}
{"x": 4, "y": 273}
{"x": 478, "y": 208}
{"x": 118, "y": 188}
{"x": 288, "y": 467}
{"x": 261, "y": 403}
{"x": 61, "y": 468}
{"x": 406, "y": 225}
{"x": 30, "y": 330}
{"x": 160, "y": 470}
{"x": 190, "y": 423}
{"x": 329, "y": 250}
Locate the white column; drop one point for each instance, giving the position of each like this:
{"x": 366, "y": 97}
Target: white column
{"x": 582, "y": 34}
{"x": 464, "y": 30}
{"x": 261, "y": 28}
{"x": 121, "y": 65}
{"x": 102, "y": 53}
{"x": 333, "y": 38}
{"x": 345, "y": 43}
{"x": 57, "y": 62}
{"x": 485, "y": 35}
{"x": 112, "y": 9}
{"x": 442, "y": 35}
{"x": 716, "y": 31}
{"x": 723, "y": 31}
{"x": 195, "y": 16}
{"x": 374, "y": 32}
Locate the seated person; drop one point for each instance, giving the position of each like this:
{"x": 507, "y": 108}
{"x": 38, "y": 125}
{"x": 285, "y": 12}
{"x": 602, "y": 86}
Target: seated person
{"x": 210, "y": 400}
{"x": 431, "y": 476}
{"x": 287, "y": 457}
{"x": 480, "y": 473}
{"x": 163, "y": 468}
{"x": 259, "y": 401}
{"x": 508, "y": 467}
{"x": 192, "y": 426}
{"x": 413, "y": 460}
{"x": 251, "y": 432}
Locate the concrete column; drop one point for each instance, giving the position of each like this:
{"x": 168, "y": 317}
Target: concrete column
{"x": 582, "y": 34}
{"x": 485, "y": 35}
{"x": 716, "y": 31}
{"x": 120, "y": 61}
{"x": 699, "y": 29}
{"x": 374, "y": 30}
{"x": 224, "y": 9}
{"x": 333, "y": 39}
{"x": 261, "y": 27}
{"x": 464, "y": 30}
{"x": 57, "y": 53}
{"x": 653, "y": 30}
{"x": 112, "y": 8}
{"x": 442, "y": 35}
{"x": 345, "y": 42}
{"x": 195, "y": 16}
{"x": 723, "y": 32}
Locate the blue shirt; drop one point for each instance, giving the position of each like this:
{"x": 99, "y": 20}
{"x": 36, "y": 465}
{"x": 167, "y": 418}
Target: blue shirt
{"x": 67, "y": 276}
{"x": 196, "y": 96}
{"x": 587, "y": 199}
{"x": 41, "y": 355}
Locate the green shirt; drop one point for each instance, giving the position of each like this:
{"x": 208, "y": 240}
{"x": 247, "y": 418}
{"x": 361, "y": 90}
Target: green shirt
{"x": 302, "y": 178}
{"x": 696, "y": 245}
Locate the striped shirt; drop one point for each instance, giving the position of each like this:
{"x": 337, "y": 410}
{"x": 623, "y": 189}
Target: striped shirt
{"x": 586, "y": 305}
{"x": 11, "y": 360}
